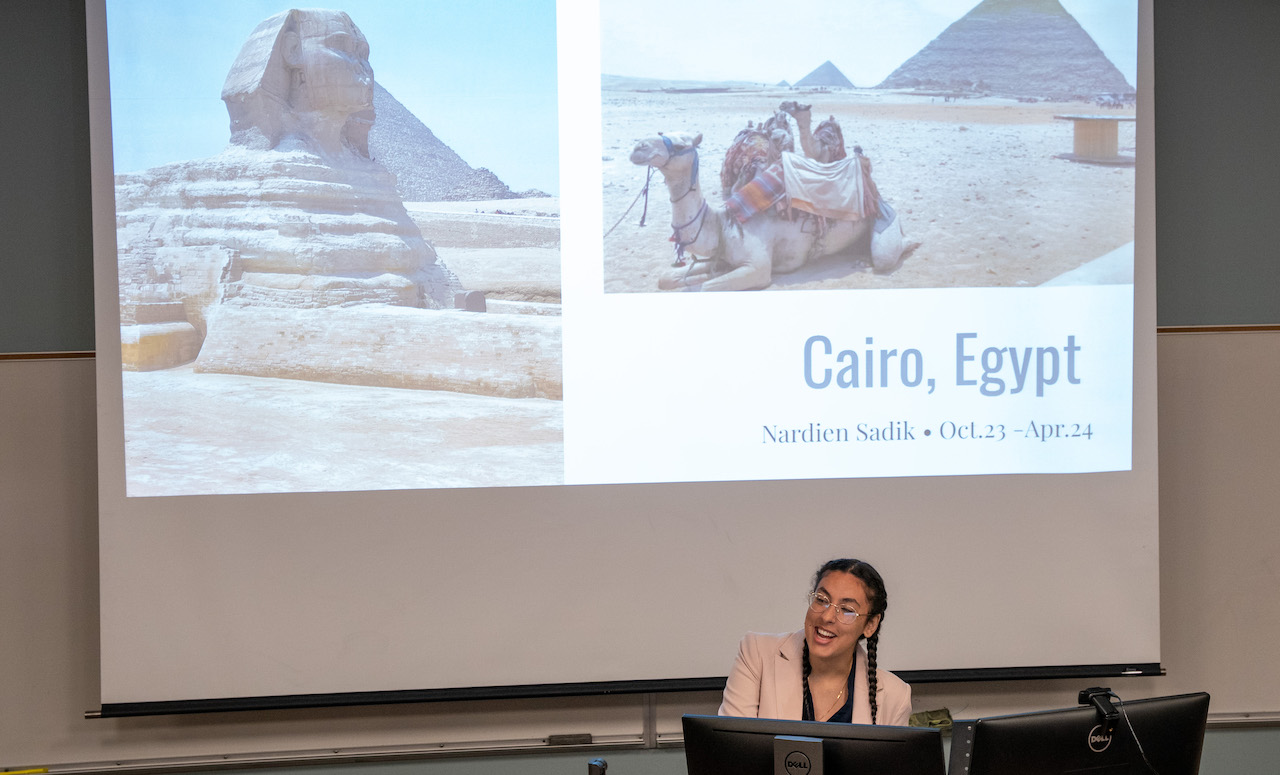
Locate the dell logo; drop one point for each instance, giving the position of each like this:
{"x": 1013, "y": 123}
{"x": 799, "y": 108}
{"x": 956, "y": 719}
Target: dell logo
{"x": 1099, "y": 739}
{"x": 797, "y": 763}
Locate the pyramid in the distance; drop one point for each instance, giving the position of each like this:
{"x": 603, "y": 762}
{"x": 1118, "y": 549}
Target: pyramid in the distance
{"x": 426, "y": 169}
{"x": 1014, "y": 48}
{"x": 828, "y": 75}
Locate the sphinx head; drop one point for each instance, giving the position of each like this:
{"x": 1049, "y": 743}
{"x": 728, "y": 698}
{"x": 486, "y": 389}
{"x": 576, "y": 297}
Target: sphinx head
{"x": 303, "y": 74}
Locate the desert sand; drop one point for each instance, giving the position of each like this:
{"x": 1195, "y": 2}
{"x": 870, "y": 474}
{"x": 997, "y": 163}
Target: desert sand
{"x": 976, "y": 182}
{"x": 227, "y": 433}
{"x": 189, "y": 432}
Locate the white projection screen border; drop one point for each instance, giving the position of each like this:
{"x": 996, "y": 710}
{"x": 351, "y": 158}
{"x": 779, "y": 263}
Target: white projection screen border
{"x": 227, "y": 599}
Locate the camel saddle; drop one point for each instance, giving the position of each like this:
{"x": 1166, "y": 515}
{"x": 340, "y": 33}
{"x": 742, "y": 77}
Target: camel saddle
{"x": 841, "y": 189}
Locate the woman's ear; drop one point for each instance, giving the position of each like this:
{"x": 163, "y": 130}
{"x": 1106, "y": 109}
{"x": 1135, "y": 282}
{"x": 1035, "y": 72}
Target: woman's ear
{"x": 872, "y": 626}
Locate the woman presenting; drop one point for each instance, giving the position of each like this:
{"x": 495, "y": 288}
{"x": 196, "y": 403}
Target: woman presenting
{"x": 823, "y": 672}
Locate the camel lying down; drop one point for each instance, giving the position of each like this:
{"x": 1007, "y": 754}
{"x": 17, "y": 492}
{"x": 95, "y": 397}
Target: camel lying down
{"x": 746, "y": 256}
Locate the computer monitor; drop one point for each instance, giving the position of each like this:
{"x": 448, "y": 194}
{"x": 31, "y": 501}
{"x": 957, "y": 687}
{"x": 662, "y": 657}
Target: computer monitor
{"x": 1162, "y": 735}
{"x": 722, "y": 745}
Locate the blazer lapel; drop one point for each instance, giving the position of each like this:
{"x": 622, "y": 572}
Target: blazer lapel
{"x": 789, "y": 677}
{"x": 861, "y": 703}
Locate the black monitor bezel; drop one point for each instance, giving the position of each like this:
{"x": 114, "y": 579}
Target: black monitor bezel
{"x": 872, "y": 745}
{"x": 1169, "y": 733}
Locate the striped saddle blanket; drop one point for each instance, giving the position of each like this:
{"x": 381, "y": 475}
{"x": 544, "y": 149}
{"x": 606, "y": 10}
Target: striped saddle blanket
{"x": 757, "y": 195}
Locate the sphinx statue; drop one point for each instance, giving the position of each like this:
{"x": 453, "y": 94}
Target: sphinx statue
{"x": 293, "y": 214}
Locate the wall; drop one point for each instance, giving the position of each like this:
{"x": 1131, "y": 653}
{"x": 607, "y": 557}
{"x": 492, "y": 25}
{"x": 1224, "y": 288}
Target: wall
{"x": 46, "y": 268}
{"x": 1216, "y": 192}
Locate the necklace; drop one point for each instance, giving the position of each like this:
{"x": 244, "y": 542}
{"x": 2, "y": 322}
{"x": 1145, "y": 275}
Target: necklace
{"x": 809, "y": 696}
{"x": 834, "y": 705}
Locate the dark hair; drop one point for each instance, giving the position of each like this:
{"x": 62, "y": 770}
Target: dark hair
{"x": 879, "y": 601}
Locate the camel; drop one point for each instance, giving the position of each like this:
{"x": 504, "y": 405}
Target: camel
{"x": 740, "y": 256}
{"x": 824, "y": 145}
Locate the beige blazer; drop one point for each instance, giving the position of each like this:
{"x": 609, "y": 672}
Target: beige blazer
{"x": 766, "y": 682}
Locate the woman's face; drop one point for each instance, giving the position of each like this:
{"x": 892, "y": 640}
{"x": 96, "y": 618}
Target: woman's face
{"x": 334, "y": 58}
{"x": 827, "y": 635}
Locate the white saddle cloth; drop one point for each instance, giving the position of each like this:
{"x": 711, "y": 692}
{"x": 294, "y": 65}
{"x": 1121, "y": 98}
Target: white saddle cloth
{"x": 834, "y": 190}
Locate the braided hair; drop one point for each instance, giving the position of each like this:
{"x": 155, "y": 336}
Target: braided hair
{"x": 878, "y": 602}
{"x": 806, "y": 669}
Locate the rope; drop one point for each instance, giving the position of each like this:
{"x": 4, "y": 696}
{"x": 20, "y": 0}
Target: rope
{"x": 643, "y": 192}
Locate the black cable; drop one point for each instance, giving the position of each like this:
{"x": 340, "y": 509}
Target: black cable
{"x": 1134, "y": 734}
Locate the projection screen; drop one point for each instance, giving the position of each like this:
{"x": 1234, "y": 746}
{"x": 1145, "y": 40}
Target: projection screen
{"x": 403, "y": 395}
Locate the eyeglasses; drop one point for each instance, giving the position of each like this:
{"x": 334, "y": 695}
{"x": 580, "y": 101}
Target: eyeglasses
{"x": 819, "y": 603}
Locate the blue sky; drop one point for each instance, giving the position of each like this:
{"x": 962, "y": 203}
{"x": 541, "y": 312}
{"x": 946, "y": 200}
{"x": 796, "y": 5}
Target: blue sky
{"x": 481, "y": 74}
{"x": 767, "y": 42}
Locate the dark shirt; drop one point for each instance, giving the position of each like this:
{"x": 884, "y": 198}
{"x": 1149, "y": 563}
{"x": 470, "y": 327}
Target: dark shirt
{"x": 845, "y": 714}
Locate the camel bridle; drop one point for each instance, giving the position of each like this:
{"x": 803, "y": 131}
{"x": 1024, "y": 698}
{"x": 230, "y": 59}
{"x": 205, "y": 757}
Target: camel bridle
{"x": 699, "y": 217}
{"x": 671, "y": 153}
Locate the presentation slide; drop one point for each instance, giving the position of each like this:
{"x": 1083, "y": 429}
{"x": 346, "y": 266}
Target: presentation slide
{"x": 978, "y": 324}
{"x": 306, "y": 202}
{"x": 600, "y": 274}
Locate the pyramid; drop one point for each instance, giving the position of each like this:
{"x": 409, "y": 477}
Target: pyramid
{"x": 827, "y": 74}
{"x": 1013, "y": 48}
{"x": 426, "y": 169}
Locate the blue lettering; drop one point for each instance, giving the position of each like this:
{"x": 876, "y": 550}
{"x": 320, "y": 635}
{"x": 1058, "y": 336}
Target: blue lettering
{"x": 808, "y": 362}
{"x": 961, "y": 359}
